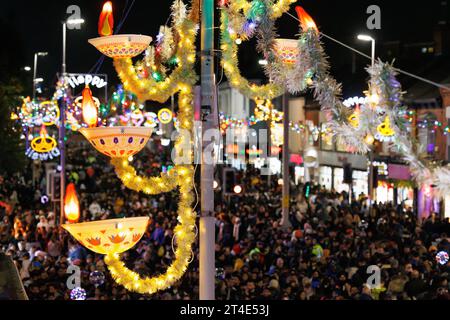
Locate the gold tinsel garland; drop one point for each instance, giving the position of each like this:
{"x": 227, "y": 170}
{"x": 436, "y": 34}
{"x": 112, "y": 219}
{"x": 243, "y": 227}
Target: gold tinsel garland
{"x": 150, "y": 89}
{"x": 229, "y": 49}
{"x": 182, "y": 175}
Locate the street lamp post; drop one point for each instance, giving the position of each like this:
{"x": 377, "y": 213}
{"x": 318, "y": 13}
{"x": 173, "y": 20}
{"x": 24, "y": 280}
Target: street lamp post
{"x": 364, "y": 37}
{"x": 36, "y": 55}
{"x": 62, "y": 119}
{"x": 209, "y": 116}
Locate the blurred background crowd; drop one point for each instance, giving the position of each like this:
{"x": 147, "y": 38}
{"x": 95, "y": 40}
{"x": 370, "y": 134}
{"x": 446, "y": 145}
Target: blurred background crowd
{"x": 325, "y": 254}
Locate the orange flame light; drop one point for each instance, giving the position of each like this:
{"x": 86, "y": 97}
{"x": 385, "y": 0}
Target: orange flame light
{"x": 71, "y": 204}
{"x": 306, "y": 21}
{"x": 106, "y": 21}
{"x": 90, "y": 114}
{"x": 43, "y": 133}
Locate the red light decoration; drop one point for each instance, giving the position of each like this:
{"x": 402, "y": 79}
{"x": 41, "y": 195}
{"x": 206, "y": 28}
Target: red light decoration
{"x": 71, "y": 204}
{"x": 106, "y": 20}
{"x": 306, "y": 21}
{"x": 90, "y": 114}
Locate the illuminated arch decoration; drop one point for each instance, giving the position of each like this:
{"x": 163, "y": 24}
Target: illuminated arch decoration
{"x": 239, "y": 22}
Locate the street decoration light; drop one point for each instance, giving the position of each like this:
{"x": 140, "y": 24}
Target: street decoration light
{"x": 71, "y": 204}
{"x": 89, "y": 108}
{"x": 119, "y": 143}
{"x": 117, "y": 46}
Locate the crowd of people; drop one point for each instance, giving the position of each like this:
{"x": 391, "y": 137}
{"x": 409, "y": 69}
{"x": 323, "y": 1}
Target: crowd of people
{"x": 331, "y": 249}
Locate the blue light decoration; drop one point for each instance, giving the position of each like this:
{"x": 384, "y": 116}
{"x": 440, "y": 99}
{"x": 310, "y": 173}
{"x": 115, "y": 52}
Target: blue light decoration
{"x": 442, "y": 258}
{"x": 97, "y": 278}
{"x": 78, "y": 294}
{"x": 249, "y": 28}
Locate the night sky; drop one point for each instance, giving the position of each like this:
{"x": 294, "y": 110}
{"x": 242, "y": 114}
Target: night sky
{"x": 36, "y": 26}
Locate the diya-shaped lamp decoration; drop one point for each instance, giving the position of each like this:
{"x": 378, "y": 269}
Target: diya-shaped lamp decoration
{"x": 117, "y": 46}
{"x": 43, "y": 143}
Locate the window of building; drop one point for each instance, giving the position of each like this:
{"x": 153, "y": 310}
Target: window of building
{"x": 339, "y": 184}
{"x": 326, "y": 177}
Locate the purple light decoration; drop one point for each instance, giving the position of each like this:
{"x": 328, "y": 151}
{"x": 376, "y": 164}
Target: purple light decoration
{"x": 159, "y": 38}
{"x": 78, "y": 294}
{"x": 249, "y": 28}
{"x": 442, "y": 258}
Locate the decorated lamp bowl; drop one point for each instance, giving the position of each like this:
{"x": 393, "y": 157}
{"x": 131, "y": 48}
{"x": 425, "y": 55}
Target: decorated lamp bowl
{"x": 287, "y": 50}
{"x": 109, "y": 236}
{"x": 118, "y": 142}
{"x": 121, "y": 46}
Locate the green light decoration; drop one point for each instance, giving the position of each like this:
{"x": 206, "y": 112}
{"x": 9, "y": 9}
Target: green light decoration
{"x": 158, "y": 77}
{"x": 257, "y": 10}
{"x": 174, "y": 61}
{"x": 307, "y": 190}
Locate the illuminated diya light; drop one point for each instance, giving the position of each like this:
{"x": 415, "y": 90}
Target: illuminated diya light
{"x": 165, "y": 116}
{"x": 118, "y": 142}
{"x": 44, "y": 143}
{"x": 442, "y": 258}
{"x": 109, "y": 236}
{"x": 78, "y": 294}
{"x": 287, "y": 50}
{"x": 117, "y": 46}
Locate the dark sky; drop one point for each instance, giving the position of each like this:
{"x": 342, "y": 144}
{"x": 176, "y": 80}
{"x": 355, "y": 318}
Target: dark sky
{"x": 37, "y": 27}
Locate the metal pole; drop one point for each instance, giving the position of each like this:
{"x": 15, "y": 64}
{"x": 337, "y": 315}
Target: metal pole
{"x": 286, "y": 179}
{"x": 269, "y": 144}
{"x": 373, "y": 53}
{"x": 371, "y": 171}
{"x": 64, "y": 48}
{"x": 62, "y": 132}
{"x": 208, "y": 118}
{"x": 34, "y": 75}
